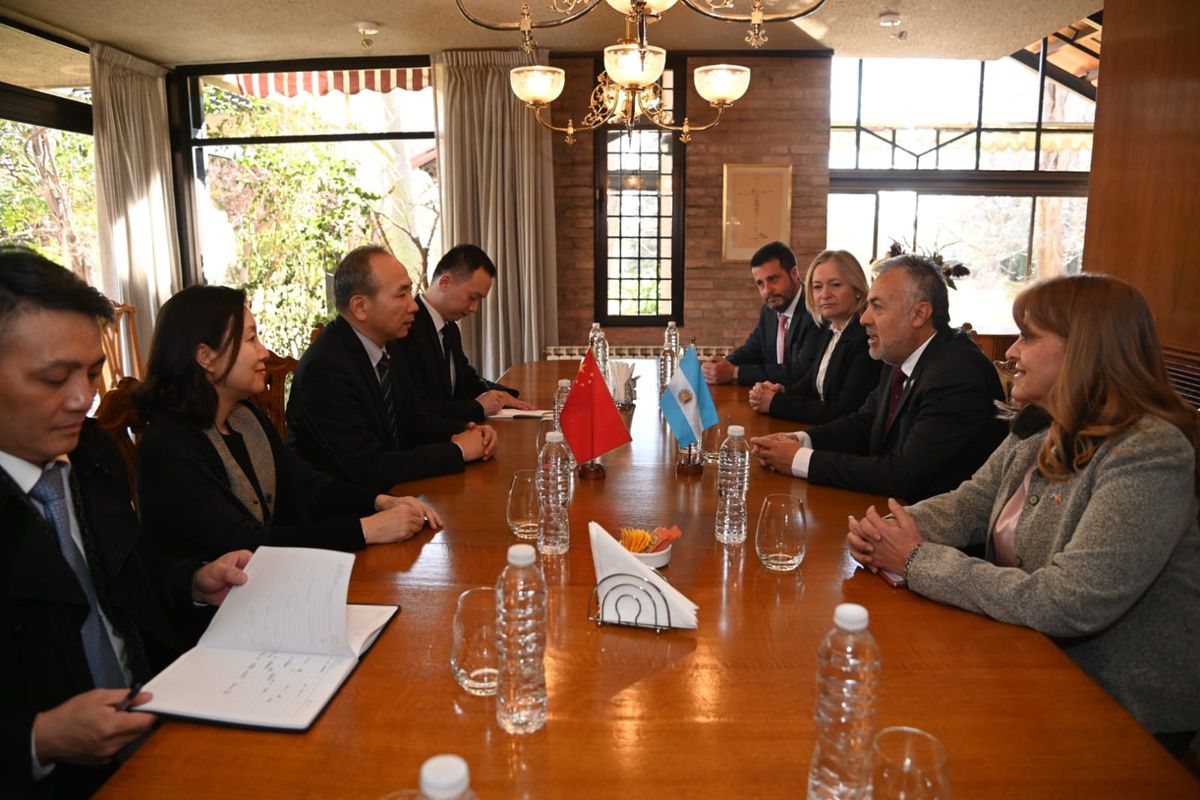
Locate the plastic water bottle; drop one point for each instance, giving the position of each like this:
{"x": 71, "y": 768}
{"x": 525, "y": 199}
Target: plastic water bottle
{"x": 848, "y": 666}
{"x": 560, "y": 400}
{"x": 733, "y": 479}
{"x": 444, "y": 777}
{"x": 671, "y": 337}
{"x": 554, "y": 494}
{"x": 521, "y": 643}
{"x": 599, "y": 344}
{"x": 667, "y": 360}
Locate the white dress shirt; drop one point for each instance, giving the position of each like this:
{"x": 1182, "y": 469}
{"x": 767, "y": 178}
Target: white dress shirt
{"x": 803, "y": 456}
{"x": 826, "y": 357}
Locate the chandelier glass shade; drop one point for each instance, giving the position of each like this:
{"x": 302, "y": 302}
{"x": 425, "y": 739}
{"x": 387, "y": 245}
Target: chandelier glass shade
{"x": 628, "y": 89}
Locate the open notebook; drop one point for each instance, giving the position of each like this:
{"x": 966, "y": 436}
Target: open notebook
{"x": 278, "y": 648}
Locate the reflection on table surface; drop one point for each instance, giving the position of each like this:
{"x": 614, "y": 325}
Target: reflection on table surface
{"x": 722, "y": 711}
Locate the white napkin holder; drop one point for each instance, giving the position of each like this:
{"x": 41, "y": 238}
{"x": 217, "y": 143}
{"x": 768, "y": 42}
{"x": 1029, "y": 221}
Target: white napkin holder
{"x": 630, "y": 593}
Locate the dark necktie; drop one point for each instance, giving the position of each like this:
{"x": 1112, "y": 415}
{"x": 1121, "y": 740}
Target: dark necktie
{"x": 97, "y": 646}
{"x": 384, "y": 368}
{"x": 447, "y": 357}
{"x": 895, "y": 392}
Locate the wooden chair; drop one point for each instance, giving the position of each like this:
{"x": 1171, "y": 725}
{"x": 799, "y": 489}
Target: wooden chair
{"x": 119, "y": 419}
{"x": 1006, "y": 370}
{"x": 273, "y": 399}
{"x": 316, "y": 331}
{"x": 113, "y": 338}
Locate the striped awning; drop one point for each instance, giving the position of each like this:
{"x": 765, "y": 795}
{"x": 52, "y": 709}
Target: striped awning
{"x": 321, "y": 82}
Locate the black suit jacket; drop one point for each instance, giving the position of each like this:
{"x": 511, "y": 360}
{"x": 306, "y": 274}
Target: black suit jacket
{"x": 336, "y": 419}
{"x": 186, "y": 503}
{"x": 42, "y": 608}
{"x": 427, "y": 364}
{"x": 944, "y": 430}
{"x": 850, "y": 377}
{"x": 756, "y": 358}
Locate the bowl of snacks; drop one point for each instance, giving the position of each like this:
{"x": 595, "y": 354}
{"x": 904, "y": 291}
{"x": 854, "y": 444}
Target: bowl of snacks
{"x": 651, "y": 547}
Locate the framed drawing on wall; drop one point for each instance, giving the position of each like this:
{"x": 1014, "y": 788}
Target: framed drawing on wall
{"x": 756, "y": 209}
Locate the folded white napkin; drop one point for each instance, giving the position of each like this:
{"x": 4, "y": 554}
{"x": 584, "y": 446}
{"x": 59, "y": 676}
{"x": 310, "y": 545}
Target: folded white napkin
{"x": 629, "y": 600}
{"x": 621, "y": 373}
{"x": 518, "y": 413}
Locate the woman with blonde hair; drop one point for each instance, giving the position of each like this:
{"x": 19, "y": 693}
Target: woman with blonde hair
{"x": 835, "y": 293}
{"x": 1087, "y": 510}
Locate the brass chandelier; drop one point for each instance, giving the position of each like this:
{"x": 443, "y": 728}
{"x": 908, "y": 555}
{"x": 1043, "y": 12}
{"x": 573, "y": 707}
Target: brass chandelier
{"x": 629, "y": 88}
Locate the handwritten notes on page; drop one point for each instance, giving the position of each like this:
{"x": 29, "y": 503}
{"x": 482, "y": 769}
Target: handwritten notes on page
{"x": 278, "y": 648}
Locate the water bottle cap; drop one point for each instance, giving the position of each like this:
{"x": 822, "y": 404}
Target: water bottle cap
{"x": 736, "y": 430}
{"x": 564, "y": 382}
{"x": 521, "y": 555}
{"x": 595, "y": 325}
{"x": 671, "y": 324}
{"x": 554, "y": 437}
{"x": 851, "y": 617}
{"x": 445, "y": 777}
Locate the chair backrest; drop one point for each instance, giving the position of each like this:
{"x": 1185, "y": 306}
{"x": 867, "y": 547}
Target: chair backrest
{"x": 118, "y": 418}
{"x": 114, "y": 337}
{"x": 1006, "y": 370}
{"x": 316, "y": 331}
{"x": 273, "y": 399}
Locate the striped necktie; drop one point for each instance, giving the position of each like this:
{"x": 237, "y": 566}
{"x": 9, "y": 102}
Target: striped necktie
{"x": 97, "y": 646}
{"x": 384, "y": 368}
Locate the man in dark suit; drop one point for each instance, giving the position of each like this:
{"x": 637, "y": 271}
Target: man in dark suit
{"x": 84, "y": 611}
{"x": 784, "y": 344}
{"x": 446, "y": 381}
{"x": 931, "y": 420}
{"x": 353, "y": 411}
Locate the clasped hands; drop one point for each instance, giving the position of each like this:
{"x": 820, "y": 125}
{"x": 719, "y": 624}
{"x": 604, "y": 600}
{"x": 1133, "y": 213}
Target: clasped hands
{"x": 775, "y": 451}
{"x": 477, "y": 442}
{"x": 879, "y": 542}
{"x": 761, "y": 395}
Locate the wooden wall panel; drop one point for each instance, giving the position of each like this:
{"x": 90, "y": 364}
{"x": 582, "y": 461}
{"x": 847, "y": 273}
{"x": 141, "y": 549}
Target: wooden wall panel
{"x": 1144, "y": 203}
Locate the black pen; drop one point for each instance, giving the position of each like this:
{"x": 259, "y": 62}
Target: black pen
{"x": 127, "y": 700}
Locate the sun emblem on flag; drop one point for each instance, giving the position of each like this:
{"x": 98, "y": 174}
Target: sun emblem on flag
{"x": 685, "y": 396}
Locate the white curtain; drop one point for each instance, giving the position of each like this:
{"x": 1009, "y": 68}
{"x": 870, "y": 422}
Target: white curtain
{"x": 497, "y": 187}
{"x": 139, "y": 252}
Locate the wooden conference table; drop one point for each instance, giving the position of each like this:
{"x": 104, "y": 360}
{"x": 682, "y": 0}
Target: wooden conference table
{"x": 722, "y": 711}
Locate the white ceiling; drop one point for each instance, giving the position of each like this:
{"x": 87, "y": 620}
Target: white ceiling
{"x": 205, "y": 31}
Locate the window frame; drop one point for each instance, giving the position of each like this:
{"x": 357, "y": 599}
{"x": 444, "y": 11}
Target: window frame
{"x": 185, "y": 109}
{"x": 677, "y": 62}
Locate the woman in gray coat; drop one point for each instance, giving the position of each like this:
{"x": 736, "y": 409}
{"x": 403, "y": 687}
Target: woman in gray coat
{"x": 1087, "y": 510}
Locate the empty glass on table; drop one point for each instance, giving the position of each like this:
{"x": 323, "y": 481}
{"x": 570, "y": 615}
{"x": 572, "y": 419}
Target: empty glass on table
{"x": 473, "y": 658}
{"x": 908, "y": 764}
{"x": 782, "y": 536}
{"x": 523, "y": 504}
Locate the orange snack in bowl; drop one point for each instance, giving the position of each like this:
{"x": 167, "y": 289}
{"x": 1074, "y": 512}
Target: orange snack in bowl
{"x": 636, "y": 540}
{"x": 662, "y": 538}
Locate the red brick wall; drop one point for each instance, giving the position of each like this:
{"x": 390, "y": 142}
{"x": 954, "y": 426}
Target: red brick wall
{"x": 784, "y": 117}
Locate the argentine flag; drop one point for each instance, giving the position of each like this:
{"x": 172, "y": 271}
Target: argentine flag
{"x": 686, "y": 403}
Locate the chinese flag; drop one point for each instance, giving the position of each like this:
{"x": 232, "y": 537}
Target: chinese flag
{"x": 590, "y": 421}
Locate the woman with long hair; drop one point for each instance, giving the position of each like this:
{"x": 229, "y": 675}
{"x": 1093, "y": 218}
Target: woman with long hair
{"x": 212, "y": 473}
{"x": 1087, "y": 510}
{"x": 835, "y": 293}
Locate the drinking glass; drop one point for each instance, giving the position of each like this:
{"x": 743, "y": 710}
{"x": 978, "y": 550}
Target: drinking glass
{"x": 782, "y": 536}
{"x": 713, "y": 438}
{"x": 908, "y": 764}
{"x": 473, "y": 658}
{"x": 523, "y": 504}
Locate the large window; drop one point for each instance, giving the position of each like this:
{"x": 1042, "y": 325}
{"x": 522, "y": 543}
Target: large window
{"x": 982, "y": 162}
{"x": 639, "y": 258}
{"x": 295, "y": 166}
{"x": 47, "y": 172}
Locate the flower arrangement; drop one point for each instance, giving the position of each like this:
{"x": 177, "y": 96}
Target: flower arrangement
{"x": 950, "y": 269}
